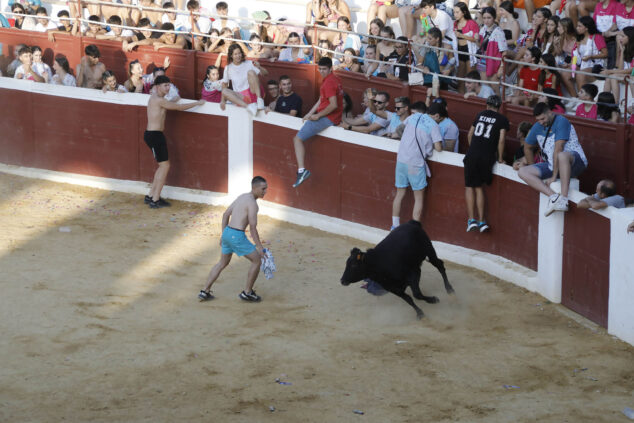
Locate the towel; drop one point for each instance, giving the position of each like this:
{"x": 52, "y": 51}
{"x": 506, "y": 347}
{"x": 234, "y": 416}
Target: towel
{"x": 268, "y": 264}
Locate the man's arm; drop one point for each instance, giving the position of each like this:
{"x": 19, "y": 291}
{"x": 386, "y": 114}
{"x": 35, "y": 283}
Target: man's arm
{"x": 80, "y": 72}
{"x": 470, "y": 134}
{"x": 253, "y": 223}
{"x": 178, "y": 44}
{"x": 169, "y": 105}
{"x": 367, "y": 128}
{"x": 591, "y": 203}
{"x": 501, "y": 146}
{"x": 331, "y": 107}
{"x": 310, "y": 113}
{"x": 529, "y": 153}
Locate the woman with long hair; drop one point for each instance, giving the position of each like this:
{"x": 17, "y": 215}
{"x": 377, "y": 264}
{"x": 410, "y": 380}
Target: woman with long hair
{"x": 467, "y": 32}
{"x": 591, "y": 51}
{"x": 551, "y": 36}
{"x": 492, "y": 43}
{"x": 607, "y": 109}
{"x": 508, "y": 19}
{"x": 62, "y": 72}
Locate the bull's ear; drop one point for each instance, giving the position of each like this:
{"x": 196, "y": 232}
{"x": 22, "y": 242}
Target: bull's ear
{"x": 354, "y": 251}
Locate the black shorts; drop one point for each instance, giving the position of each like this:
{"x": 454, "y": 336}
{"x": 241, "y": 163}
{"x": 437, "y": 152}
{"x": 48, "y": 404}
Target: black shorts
{"x": 478, "y": 170}
{"x": 157, "y": 143}
{"x": 463, "y": 53}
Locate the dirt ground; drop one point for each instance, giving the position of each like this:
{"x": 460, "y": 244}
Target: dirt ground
{"x": 102, "y": 324}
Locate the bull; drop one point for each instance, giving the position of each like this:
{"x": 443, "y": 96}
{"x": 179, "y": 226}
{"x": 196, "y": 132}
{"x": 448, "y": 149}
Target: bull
{"x": 395, "y": 264}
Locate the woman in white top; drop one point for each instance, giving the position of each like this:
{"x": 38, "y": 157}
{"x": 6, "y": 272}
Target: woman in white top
{"x": 343, "y": 40}
{"x": 591, "y": 51}
{"x": 243, "y": 75}
{"x": 62, "y": 72}
{"x": 40, "y": 67}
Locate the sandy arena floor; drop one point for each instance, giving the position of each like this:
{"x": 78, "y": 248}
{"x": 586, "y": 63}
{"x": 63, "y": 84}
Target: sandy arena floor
{"x": 102, "y": 324}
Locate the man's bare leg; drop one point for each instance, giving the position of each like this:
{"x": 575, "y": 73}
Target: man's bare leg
{"x": 300, "y": 151}
{"x": 159, "y": 180}
{"x": 532, "y": 177}
{"x": 254, "y": 85}
{"x": 479, "y": 191}
{"x": 565, "y": 163}
{"x": 398, "y": 199}
{"x": 216, "y": 270}
{"x": 418, "y": 204}
{"x": 469, "y": 195}
{"x": 254, "y": 270}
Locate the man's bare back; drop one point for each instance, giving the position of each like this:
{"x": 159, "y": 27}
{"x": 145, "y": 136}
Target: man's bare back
{"x": 240, "y": 210}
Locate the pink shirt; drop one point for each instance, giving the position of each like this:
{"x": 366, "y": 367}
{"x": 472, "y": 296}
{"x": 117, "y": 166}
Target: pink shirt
{"x": 623, "y": 17}
{"x": 581, "y": 111}
{"x": 605, "y": 18}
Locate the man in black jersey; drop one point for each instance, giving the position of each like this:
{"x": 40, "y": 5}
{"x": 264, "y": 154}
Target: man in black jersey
{"x": 486, "y": 137}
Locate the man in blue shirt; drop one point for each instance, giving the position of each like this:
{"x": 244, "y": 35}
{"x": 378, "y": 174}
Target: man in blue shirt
{"x": 558, "y": 141}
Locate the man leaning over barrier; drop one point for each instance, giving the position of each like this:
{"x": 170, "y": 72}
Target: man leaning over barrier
{"x": 558, "y": 141}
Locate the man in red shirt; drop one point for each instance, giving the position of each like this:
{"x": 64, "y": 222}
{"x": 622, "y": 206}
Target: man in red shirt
{"x": 326, "y": 112}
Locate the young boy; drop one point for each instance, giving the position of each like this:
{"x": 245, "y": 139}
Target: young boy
{"x": 486, "y": 137}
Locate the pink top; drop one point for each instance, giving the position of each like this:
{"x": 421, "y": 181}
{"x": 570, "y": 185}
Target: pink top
{"x": 581, "y": 111}
{"x": 470, "y": 29}
{"x": 624, "y": 17}
{"x": 605, "y": 17}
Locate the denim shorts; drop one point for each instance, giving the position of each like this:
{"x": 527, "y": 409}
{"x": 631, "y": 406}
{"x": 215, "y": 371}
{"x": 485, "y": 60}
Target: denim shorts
{"x": 313, "y": 127}
{"x": 408, "y": 175}
{"x": 235, "y": 241}
{"x": 577, "y": 167}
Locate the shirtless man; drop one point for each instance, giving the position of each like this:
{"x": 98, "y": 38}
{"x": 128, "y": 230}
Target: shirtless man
{"x": 89, "y": 69}
{"x": 243, "y": 211}
{"x": 154, "y": 138}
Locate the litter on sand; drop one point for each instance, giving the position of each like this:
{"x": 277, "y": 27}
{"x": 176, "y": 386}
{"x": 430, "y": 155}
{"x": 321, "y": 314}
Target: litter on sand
{"x": 358, "y": 412}
{"x": 64, "y": 229}
{"x": 281, "y": 382}
{"x": 510, "y": 387}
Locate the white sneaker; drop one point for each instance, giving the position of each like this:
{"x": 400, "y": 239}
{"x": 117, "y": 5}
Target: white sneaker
{"x": 550, "y": 207}
{"x": 253, "y": 109}
{"x": 260, "y": 104}
{"x": 561, "y": 204}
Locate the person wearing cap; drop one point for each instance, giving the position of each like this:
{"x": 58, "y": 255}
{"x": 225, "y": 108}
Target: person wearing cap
{"x": 486, "y": 141}
{"x": 153, "y": 136}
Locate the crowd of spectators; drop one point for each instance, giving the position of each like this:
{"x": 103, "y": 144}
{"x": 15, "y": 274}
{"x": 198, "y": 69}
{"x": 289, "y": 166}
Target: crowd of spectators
{"x": 580, "y": 44}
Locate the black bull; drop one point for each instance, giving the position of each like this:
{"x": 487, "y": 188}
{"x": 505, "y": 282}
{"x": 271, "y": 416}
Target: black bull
{"x": 395, "y": 263}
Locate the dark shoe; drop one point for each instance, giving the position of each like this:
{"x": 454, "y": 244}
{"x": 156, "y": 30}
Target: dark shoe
{"x": 252, "y": 297}
{"x": 159, "y": 204}
{"x": 147, "y": 199}
{"x": 472, "y": 225}
{"x": 205, "y": 296}
{"x": 301, "y": 177}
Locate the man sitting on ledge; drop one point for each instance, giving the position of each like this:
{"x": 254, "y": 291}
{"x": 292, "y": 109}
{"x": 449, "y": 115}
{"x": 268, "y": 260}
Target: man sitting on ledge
{"x": 558, "y": 141}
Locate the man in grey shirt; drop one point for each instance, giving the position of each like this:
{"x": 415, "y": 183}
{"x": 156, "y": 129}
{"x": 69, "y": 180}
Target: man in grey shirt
{"x": 604, "y": 197}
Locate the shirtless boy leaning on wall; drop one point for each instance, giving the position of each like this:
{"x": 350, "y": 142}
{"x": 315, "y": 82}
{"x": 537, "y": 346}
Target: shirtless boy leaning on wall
{"x": 154, "y": 138}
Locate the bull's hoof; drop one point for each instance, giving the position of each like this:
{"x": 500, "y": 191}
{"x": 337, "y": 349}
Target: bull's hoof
{"x": 432, "y": 300}
{"x": 420, "y": 315}
{"x": 450, "y": 290}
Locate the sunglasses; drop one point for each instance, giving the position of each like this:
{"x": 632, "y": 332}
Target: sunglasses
{"x": 378, "y": 102}
{"x": 401, "y": 107}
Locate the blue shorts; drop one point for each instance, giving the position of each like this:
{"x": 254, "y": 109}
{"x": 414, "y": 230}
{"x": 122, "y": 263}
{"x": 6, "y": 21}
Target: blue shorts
{"x": 313, "y": 127}
{"x": 408, "y": 175}
{"x": 235, "y": 241}
{"x": 577, "y": 167}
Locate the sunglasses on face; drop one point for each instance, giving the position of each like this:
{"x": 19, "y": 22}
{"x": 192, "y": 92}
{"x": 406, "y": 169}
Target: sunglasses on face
{"x": 400, "y": 107}
{"x": 378, "y": 102}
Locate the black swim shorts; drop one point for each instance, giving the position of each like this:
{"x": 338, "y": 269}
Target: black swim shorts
{"x": 478, "y": 170}
{"x": 157, "y": 143}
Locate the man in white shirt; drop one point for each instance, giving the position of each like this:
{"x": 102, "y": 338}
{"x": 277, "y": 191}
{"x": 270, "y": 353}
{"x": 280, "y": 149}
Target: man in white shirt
{"x": 222, "y": 8}
{"x": 43, "y": 23}
{"x": 438, "y": 19}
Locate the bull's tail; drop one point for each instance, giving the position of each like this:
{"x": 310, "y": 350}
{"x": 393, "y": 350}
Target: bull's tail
{"x": 438, "y": 264}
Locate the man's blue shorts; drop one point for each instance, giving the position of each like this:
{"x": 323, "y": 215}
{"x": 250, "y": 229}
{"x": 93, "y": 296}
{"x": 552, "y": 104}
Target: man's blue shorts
{"x": 407, "y": 175}
{"x": 235, "y": 241}
{"x": 576, "y": 168}
{"x": 313, "y": 127}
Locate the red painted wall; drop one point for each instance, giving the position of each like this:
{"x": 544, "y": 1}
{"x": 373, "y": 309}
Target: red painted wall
{"x": 586, "y": 264}
{"x": 106, "y": 139}
{"x": 356, "y": 183}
